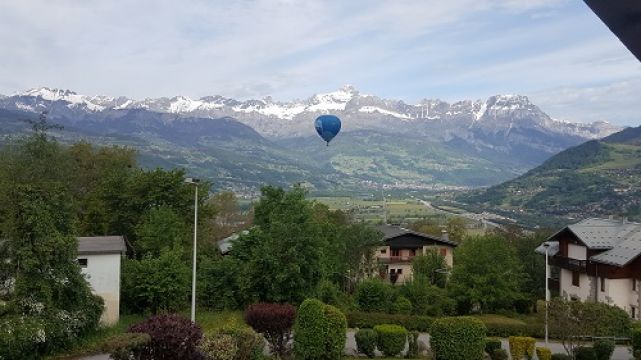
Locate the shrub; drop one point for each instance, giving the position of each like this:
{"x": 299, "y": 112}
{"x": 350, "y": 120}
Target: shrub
{"x": 219, "y": 347}
{"x": 502, "y": 326}
{"x": 521, "y": 346}
{"x": 126, "y": 346}
{"x": 561, "y": 357}
{"x": 172, "y": 337}
{"x": 543, "y": 353}
{"x": 308, "y": 329}
{"x": 427, "y": 299}
{"x": 374, "y": 296}
{"x": 401, "y": 306}
{"x": 492, "y": 344}
{"x": 249, "y": 344}
{"x": 636, "y": 340}
{"x": 335, "y": 329}
{"x": 412, "y": 348}
{"x": 275, "y": 322}
{"x": 458, "y": 338}
{"x": 584, "y": 353}
{"x": 604, "y": 349}
{"x": 390, "y": 339}
{"x": 499, "y": 354}
{"x": 369, "y": 320}
{"x": 366, "y": 342}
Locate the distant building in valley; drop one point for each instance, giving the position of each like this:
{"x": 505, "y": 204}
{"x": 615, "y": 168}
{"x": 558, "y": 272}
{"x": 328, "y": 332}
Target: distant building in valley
{"x": 100, "y": 259}
{"x": 399, "y": 247}
{"x": 599, "y": 260}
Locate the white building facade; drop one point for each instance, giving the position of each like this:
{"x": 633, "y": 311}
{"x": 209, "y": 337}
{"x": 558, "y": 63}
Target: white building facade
{"x": 100, "y": 259}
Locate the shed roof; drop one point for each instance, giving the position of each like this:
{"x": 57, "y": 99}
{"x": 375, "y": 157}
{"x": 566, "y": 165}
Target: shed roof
{"x": 101, "y": 245}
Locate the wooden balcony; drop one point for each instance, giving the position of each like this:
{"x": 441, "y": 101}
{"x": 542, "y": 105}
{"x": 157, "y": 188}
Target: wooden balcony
{"x": 569, "y": 263}
{"x": 395, "y": 259}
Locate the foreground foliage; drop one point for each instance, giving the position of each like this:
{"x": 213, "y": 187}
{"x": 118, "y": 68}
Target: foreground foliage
{"x": 461, "y": 338}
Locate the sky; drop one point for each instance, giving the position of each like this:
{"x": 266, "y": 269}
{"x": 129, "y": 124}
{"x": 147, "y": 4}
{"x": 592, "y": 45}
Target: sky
{"x": 556, "y": 52}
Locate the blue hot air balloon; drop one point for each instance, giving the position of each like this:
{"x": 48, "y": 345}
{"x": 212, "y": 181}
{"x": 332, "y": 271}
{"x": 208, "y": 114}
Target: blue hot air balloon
{"x": 327, "y": 126}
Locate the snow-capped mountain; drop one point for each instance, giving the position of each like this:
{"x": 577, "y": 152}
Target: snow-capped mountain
{"x": 431, "y": 118}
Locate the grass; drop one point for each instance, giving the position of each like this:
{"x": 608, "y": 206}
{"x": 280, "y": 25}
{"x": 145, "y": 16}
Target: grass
{"x": 90, "y": 344}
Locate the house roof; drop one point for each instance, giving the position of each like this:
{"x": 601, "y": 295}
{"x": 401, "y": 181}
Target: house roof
{"x": 394, "y": 232}
{"x": 621, "y": 240}
{"x": 101, "y": 245}
{"x": 224, "y": 245}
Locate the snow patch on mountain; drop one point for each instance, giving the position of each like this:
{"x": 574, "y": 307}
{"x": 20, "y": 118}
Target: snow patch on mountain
{"x": 374, "y": 109}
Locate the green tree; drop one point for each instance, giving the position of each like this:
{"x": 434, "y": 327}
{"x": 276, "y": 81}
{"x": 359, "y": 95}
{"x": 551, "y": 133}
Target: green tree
{"x": 431, "y": 266}
{"x": 487, "y": 275}
{"x": 161, "y": 229}
{"x": 456, "y": 228}
{"x": 155, "y": 284}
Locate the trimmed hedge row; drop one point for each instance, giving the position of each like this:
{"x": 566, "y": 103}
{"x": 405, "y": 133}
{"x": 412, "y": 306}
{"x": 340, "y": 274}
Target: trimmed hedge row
{"x": 369, "y": 320}
{"x": 458, "y": 338}
{"x": 319, "y": 331}
{"x": 390, "y": 339}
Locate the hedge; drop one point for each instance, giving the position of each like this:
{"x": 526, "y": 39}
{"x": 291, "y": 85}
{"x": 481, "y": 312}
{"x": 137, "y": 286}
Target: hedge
{"x": 308, "y": 329}
{"x": 366, "y": 342}
{"x": 501, "y": 326}
{"x": 636, "y": 340}
{"x": 369, "y": 320}
{"x": 390, "y": 339}
{"x": 560, "y": 356}
{"x": 604, "y": 349}
{"x": 543, "y": 353}
{"x": 335, "y": 331}
{"x": 521, "y": 346}
{"x": 458, "y": 338}
{"x": 585, "y": 353}
{"x": 492, "y": 344}
{"x": 218, "y": 347}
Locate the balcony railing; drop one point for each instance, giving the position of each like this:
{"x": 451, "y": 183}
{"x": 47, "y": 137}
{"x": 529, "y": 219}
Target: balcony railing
{"x": 569, "y": 263}
{"x": 396, "y": 259}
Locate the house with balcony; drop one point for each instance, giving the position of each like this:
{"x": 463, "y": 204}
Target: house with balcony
{"x": 399, "y": 247}
{"x": 599, "y": 260}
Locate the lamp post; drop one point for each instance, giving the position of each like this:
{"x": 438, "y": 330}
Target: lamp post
{"x": 194, "y": 182}
{"x": 546, "y": 245}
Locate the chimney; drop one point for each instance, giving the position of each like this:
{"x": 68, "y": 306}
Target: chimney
{"x": 445, "y": 235}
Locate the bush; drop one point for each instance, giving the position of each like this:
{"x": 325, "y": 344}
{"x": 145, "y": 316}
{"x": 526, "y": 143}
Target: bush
{"x": 366, "y": 342}
{"x": 275, "y": 322}
{"x": 335, "y": 332}
{"x": 584, "y": 353}
{"x": 374, "y": 296}
{"x": 126, "y": 346}
{"x": 427, "y": 299}
{"x": 412, "y": 348}
{"x": 521, "y": 346}
{"x": 604, "y": 349}
{"x": 459, "y": 338}
{"x": 401, "y": 306}
{"x": 219, "y": 347}
{"x": 249, "y": 344}
{"x": 499, "y": 354}
{"x": 492, "y": 344}
{"x": 543, "y": 353}
{"x": 308, "y": 329}
{"x": 172, "y": 337}
{"x": 155, "y": 284}
{"x": 502, "y": 326}
{"x": 636, "y": 340}
{"x": 369, "y": 320}
{"x": 561, "y": 357}
{"x": 390, "y": 339}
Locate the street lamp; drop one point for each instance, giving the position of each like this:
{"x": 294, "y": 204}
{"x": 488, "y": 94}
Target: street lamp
{"x": 546, "y": 245}
{"x": 195, "y": 182}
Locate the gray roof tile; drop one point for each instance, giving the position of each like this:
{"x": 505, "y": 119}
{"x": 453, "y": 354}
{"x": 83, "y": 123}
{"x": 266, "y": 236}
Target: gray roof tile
{"x": 101, "y": 245}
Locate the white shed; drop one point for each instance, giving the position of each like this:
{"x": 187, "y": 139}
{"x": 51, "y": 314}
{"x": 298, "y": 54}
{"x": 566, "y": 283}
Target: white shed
{"x": 100, "y": 257}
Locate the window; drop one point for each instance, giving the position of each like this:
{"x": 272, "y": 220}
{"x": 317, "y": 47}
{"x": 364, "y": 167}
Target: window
{"x": 633, "y": 311}
{"x": 443, "y": 252}
{"x": 634, "y": 284}
{"x": 392, "y": 271}
{"x": 82, "y": 263}
{"x": 602, "y": 284}
{"x": 384, "y": 251}
{"x": 576, "y": 278}
{"x": 396, "y": 253}
{"x": 399, "y": 271}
